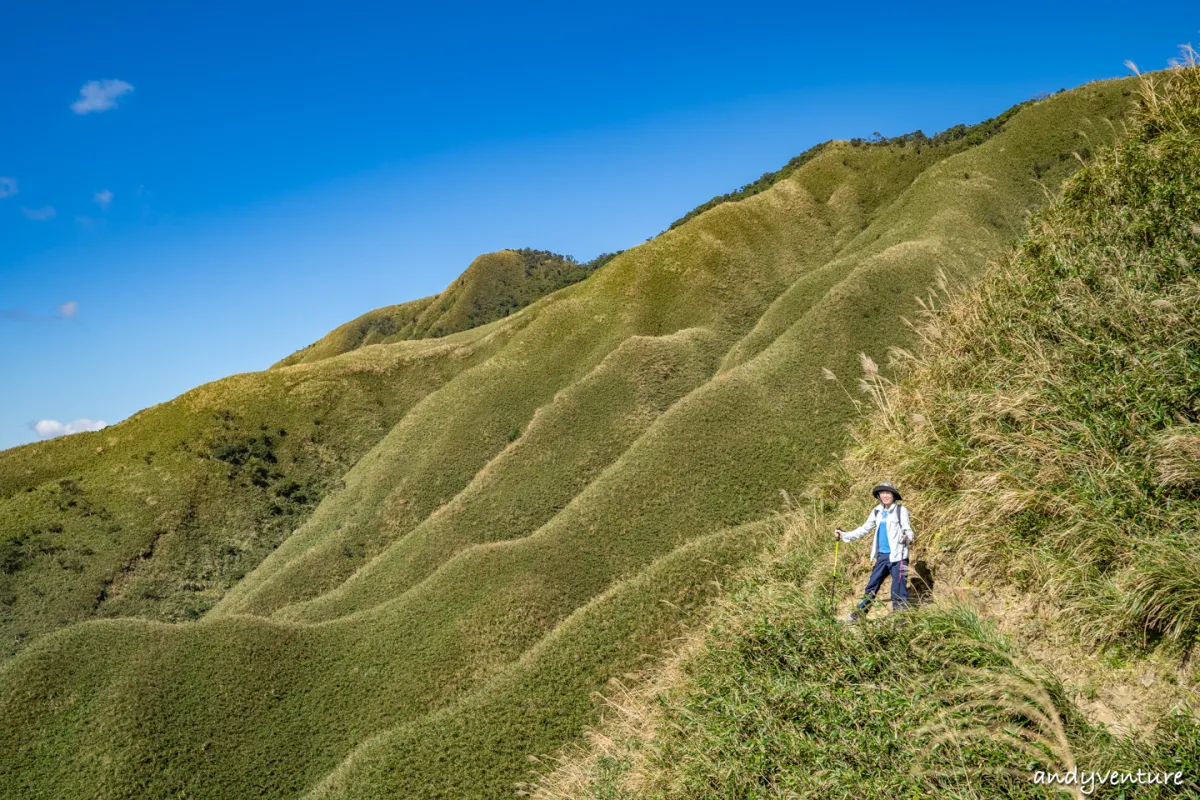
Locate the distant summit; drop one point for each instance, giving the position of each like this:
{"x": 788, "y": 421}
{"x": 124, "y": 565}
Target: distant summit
{"x": 493, "y": 286}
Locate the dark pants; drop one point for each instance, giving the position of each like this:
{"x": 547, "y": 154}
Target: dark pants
{"x": 899, "y": 573}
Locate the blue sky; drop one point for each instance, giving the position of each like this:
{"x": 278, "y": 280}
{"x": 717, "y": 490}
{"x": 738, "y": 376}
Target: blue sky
{"x": 193, "y": 190}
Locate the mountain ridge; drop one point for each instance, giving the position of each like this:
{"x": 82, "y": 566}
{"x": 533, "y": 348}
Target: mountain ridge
{"x": 493, "y": 286}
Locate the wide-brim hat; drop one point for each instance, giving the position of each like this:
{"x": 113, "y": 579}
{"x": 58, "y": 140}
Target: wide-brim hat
{"x": 886, "y": 487}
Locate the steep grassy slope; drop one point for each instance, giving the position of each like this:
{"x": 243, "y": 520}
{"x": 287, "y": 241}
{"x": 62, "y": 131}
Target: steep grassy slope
{"x": 276, "y": 707}
{"x": 1045, "y": 436}
{"x": 690, "y": 473}
{"x": 493, "y": 286}
{"x": 597, "y": 457}
{"x": 159, "y": 515}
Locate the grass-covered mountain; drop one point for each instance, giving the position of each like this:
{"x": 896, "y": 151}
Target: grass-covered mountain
{"x": 400, "y": 570}
{"x": 1046, "y": 433}
{"x": 158, "y": 516}
{"x": 494, "y": 286}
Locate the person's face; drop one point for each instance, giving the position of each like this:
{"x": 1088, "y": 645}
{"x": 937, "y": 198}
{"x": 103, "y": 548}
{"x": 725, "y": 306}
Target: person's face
{"x": 886, "y": 497}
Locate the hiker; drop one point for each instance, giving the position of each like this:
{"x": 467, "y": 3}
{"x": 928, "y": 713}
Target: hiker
{"x": 889, "y": 547}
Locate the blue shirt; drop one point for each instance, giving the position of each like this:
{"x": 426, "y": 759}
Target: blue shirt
{"x": 881, "y": 533}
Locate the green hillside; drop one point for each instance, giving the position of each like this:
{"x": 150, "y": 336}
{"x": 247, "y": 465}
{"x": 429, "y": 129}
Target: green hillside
{"x": 493, "y": 522}
{"x": 157, "y": 516}
{"x": 494, "y": 286}
{"x": 1045, "y": 435}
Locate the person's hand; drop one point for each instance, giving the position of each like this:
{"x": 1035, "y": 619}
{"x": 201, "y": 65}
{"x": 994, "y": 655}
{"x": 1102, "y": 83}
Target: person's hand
{"x": 837, "y": 532}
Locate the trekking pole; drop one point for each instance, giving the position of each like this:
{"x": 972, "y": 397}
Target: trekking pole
{"x": 833, "y": 583}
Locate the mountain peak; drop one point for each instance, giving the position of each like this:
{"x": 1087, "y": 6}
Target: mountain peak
{"x": 493, "y": 286}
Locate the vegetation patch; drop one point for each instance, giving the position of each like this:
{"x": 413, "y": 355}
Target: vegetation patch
{"x": 784, "y": 700}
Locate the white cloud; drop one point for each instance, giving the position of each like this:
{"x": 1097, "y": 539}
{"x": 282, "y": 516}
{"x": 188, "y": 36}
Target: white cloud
{"x": 8, "y": 187}
{"x": 39, "y": 214}
{"x": 102, "y": 198}
{"x": 49, "y": 428}
{"x": 69, "y": 309}
{"x": 99, "y": 96}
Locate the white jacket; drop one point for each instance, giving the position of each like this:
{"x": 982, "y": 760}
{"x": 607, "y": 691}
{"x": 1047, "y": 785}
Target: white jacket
{"x": 898, "y": 535}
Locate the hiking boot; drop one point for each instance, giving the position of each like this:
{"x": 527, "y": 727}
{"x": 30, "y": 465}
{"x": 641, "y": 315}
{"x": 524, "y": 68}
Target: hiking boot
{"x": 853, "y": 617}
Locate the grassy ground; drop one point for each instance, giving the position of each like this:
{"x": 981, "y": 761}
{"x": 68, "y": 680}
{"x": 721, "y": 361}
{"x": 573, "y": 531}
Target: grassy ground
{"x": 1044, "y": 435}
{"x": 779, "y": 699}
{"x": 540, "y": 469}
{"x": 279, "y": 707}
